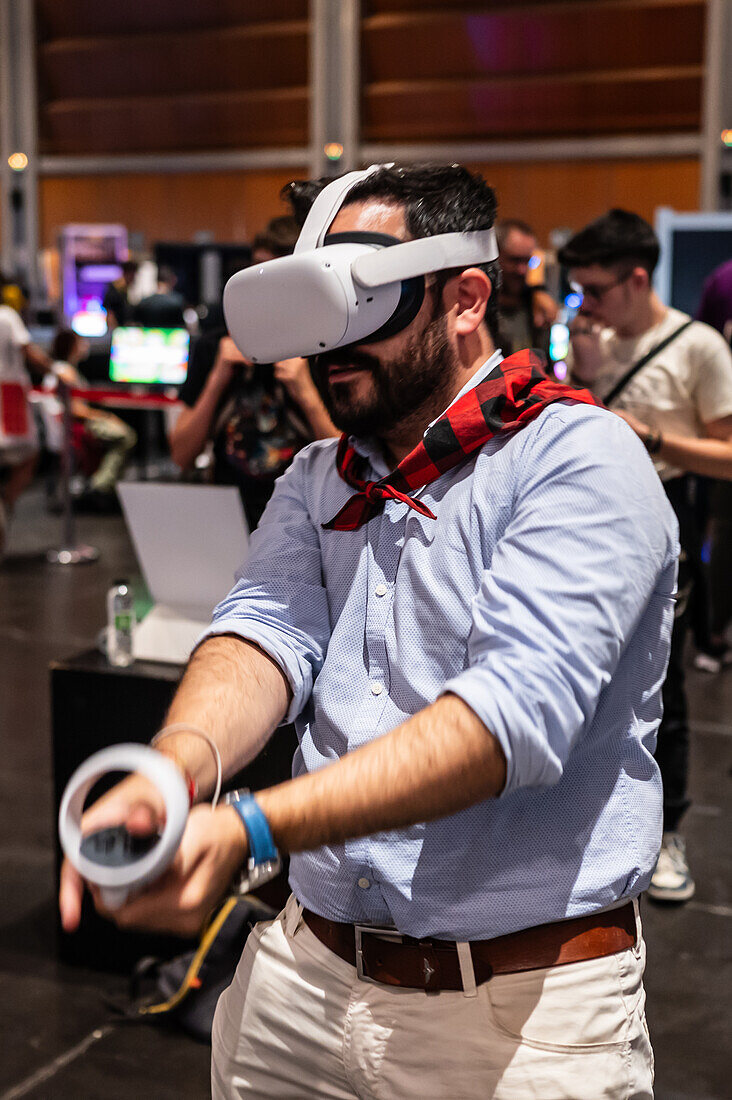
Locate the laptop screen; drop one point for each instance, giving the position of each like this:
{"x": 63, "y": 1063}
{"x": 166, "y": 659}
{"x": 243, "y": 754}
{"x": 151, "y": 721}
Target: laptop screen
{"x": 149, "y": 355}
{"x": 189, "y": 540}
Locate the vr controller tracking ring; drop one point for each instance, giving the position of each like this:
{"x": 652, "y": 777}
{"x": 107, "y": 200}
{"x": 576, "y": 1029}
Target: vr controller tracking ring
{"x": 116, "y": 881}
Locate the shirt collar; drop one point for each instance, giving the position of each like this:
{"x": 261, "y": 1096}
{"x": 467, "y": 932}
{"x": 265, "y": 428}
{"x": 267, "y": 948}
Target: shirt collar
{"x": 370, "y": 448}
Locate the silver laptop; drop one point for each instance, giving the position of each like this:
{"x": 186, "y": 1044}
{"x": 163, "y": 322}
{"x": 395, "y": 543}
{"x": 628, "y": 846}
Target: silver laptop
{"x": 189, "y": 541}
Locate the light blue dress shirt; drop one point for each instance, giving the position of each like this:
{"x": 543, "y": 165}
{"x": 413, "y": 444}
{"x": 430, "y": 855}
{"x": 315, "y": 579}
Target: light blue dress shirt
{"x": 542, "y": 595}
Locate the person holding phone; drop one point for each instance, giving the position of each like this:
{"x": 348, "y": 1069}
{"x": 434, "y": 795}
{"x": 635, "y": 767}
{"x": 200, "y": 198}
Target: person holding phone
{"x": 257, "y": 417}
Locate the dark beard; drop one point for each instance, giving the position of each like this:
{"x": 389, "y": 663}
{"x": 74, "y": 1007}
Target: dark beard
{"x": 418, "y": 385}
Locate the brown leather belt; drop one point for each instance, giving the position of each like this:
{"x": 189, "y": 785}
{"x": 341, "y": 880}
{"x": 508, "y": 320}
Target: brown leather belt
{"x": 385, "y": 956}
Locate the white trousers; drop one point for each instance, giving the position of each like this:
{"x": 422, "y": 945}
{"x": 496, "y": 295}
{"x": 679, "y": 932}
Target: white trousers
{"x": 297, "y": 1022}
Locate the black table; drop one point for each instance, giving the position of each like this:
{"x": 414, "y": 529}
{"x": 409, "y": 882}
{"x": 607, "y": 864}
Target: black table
{"x": 95, "y": 705}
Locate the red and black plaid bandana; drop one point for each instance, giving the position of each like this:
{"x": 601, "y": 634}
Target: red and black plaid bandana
{"x": 512, "y": 395}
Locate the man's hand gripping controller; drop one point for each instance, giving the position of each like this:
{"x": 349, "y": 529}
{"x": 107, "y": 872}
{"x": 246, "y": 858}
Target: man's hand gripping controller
{"x": 112, "y": 858}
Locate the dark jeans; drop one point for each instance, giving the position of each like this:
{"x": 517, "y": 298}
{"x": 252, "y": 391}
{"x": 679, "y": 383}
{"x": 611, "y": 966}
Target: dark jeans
{"x": 672, "y": 750}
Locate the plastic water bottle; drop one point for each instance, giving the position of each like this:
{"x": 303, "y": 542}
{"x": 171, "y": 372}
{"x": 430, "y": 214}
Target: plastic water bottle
{"x": 120, "y": 624}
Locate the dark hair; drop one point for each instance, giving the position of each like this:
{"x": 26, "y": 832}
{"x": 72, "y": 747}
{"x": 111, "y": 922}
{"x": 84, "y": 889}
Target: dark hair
{"x": 63, "y": 344}
{"x": 279, "y": 236}
{"x": 508, "y": 225}
{"x": 617, "y": 237}
{"x": 437, "y": 198}
{"x": 129, "y": 267}
{"x": 167, "y": 276}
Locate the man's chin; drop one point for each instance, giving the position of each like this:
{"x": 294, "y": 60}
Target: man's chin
{"x": 356, "y": 420}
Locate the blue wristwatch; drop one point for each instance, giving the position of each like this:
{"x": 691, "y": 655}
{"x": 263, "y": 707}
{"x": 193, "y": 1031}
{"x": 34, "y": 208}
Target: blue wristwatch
{"x": 263, "y": 862}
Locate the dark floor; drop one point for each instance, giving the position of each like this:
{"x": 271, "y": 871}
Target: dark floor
{"x": 59, "y": 1038}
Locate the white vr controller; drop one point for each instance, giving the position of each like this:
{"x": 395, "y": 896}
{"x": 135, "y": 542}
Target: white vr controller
{"x": 111, "y": 858}
{"x": 325, "y": 296}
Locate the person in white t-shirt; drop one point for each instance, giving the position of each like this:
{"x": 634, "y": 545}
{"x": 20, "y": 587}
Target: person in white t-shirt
{"x": 679, "y": 402}
{"x": 18, "y": 438}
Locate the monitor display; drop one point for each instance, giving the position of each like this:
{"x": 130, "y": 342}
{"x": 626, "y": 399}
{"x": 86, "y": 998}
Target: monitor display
{"x": 692, "y": 246}
{"x": 91, "y": 259}
{"x": 696, "y": 254}
{"x": 149, "y": 355}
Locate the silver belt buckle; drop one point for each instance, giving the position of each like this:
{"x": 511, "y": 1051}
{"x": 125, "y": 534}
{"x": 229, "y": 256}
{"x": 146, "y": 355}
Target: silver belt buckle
{"x": 372, "y": 930}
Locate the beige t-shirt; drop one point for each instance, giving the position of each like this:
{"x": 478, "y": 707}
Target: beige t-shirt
{"x": 682, "y": 388}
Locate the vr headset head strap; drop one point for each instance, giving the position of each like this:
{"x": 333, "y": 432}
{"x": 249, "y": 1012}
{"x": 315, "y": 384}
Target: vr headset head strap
{"x": 424, "y": 255}
{"x": 326, "y": 206}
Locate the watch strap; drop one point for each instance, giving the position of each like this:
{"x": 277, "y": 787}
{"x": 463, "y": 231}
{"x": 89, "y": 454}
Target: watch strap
{"x": 262, "y": 847}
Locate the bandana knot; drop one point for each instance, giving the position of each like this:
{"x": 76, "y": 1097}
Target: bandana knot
{"x": 375, "y": 492}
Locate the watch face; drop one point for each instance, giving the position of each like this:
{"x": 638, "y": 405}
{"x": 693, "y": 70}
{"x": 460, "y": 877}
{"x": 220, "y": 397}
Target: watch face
{"x": 235, "y": 796}
{"x": 257, "y": 874}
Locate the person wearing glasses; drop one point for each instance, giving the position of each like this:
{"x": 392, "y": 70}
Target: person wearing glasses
{"x": 526, "y": 311}
{"x": 670, "y": 378}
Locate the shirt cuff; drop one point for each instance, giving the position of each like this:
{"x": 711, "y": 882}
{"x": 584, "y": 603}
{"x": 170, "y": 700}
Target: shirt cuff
{"x": 297, "y": 672}
{"x": 530, "y": 760}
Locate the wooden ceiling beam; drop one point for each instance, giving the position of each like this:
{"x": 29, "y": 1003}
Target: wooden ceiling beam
{"x": 213, "y": 99}
{"x": 519, "y": 9}
{"x": 648, "y": 74}
{"x": 164, "y": 39}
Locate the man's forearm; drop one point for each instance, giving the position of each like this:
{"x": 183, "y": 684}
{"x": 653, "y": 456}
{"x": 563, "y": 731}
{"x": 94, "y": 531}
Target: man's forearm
{"x": 193, "y": 426}
{"x": 708, "y": 457}
{"x": 236, "y": 694}
{"x": 438, "y": 762}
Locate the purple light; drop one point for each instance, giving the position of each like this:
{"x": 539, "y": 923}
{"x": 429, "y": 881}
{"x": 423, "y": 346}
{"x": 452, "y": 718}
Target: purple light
{"x": 560, "y": 370}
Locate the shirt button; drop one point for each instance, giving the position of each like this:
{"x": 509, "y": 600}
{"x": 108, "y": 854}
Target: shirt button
{"x": 377, "y": 688}
{"x": 380, "y": 590}
{"x": 364, "y": 883}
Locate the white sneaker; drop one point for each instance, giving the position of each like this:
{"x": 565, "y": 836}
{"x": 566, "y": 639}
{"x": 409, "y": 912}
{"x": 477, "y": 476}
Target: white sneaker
{"x": 672, "y": 879}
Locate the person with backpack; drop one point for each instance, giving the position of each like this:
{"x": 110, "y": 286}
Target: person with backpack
{"x": 670, "y": 378}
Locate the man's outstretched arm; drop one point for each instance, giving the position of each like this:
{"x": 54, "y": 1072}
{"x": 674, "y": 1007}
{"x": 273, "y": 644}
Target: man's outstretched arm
{"x": 440, "y": 761}
{"x": 233, "y": 692}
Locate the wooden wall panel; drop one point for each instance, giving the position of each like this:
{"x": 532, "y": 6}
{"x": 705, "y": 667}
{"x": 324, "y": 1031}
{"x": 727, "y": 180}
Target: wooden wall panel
{"x": 232, "y": 75}
{"x": 156, "y": 124}
{"x": 273, "y": 55}
{"x": 560, "y": 39}
{"x": 561, "y": 67}
{"x": 483, "y": 110}
{"x": 72, "y": 18}
{"x": 233, "y": 206}
{"x": 556, "y": 194}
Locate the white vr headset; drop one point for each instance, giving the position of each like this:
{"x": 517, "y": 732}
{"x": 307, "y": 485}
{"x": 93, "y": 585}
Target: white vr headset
{"x": 339, "y": 288}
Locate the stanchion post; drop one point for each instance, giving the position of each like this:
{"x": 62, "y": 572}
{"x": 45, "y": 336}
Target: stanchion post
{"x": 69, "y": 553}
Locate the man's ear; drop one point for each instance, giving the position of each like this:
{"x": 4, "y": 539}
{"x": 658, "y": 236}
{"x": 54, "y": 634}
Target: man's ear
{"x": 472, "y": 292}
{"x": 640, "y": 278}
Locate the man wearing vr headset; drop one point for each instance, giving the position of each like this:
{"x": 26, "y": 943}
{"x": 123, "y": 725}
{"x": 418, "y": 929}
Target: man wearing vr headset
{"x": 465, "y": 606}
